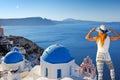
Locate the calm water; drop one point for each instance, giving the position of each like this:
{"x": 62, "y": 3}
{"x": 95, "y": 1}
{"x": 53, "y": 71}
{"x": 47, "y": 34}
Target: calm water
{"x": 71, "y": 36}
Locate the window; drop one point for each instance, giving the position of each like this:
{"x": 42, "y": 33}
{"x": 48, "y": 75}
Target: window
{"x": 85, "y": 69}
{"x": 70, "y": 70}
{"x": 89, "y": 70}
{"x": 46, "y": 72}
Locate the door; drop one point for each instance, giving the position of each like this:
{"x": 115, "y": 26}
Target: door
{"x": 59, "y": 73}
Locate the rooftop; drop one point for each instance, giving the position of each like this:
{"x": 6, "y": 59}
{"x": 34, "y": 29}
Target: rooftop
{"x": 56, "y": 54}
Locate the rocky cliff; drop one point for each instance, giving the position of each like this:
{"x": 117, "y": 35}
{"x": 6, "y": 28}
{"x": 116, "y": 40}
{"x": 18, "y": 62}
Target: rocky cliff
{"x": 33, "y": 51}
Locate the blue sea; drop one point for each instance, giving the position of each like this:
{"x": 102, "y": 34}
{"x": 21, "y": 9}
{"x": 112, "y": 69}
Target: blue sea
{"x": 72, "y": 36}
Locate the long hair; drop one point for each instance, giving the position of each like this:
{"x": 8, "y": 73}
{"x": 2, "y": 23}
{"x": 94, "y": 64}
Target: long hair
{"x": 101, "y": 37}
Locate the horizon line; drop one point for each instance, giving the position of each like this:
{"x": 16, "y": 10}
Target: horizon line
{"x": 56, "y": 19}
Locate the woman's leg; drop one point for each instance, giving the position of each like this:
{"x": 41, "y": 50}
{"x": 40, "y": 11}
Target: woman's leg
{"x": 112, "y": 72}
{"x": 100, "y": 69}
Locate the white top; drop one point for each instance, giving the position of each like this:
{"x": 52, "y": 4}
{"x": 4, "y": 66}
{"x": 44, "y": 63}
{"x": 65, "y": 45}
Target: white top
{"x": 102, "y": 52}
{"x": 105, "y": 47}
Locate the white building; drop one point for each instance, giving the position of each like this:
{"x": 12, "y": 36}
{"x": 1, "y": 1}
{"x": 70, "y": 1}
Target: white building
{"x": 14, "y": 66}
{"x": 57, "y": 63}
{"x": 13, "y": 60}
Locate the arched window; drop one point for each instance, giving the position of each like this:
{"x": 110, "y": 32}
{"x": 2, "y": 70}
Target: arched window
{"x": 89, "y": 70}
{"x": 46, "y": 72}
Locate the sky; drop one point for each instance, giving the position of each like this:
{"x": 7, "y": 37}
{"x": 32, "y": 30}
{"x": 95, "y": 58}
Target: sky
{"x": 94, "y": 10}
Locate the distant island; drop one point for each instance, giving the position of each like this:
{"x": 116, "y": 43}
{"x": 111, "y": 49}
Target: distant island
{"x": 26, "y": 21}
{"x": 30, "y": 21}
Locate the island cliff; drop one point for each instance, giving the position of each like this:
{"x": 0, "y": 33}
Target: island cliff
{"x": 32, "y": 50}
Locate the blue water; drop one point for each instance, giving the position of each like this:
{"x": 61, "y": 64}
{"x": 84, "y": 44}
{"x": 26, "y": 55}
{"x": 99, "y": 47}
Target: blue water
{"x": 71, "y": 36}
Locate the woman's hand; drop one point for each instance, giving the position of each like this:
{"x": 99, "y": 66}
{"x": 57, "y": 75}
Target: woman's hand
{"x": 114, "y": 37}
{"x": 112, "y": 30}
{"x": 89, "y": 34}
{"x": 93, "y": 29}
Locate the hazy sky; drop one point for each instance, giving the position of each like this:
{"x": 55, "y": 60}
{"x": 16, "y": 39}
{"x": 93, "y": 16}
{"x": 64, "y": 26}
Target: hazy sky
{"x": 96, "y": 10}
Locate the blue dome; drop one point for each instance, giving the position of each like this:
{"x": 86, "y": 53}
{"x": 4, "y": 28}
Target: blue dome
{"x": 56, "y": 54}
{"x": 13, "y": 57}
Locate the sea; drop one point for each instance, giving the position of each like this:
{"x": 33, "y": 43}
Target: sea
{"x": 72, "y": 36}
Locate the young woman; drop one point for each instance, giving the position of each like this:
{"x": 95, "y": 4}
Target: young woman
{"x": 103, "y": 42}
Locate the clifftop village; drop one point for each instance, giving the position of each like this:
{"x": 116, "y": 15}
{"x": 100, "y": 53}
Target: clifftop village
{"x": 21, "y": 59}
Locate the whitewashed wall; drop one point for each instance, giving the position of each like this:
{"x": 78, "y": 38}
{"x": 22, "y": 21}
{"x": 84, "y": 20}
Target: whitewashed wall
{"x": 52, "y": 69}
{"x": 13, "y": 66}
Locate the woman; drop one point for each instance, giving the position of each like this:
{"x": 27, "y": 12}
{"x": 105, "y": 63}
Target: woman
{"x": 103, "y": 42}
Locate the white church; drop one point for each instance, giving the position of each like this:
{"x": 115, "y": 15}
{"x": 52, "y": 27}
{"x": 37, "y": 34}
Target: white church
{"x": 56, "y": 63}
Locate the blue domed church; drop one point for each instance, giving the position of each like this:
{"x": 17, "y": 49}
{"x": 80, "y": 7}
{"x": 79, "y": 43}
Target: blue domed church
{"x": 56, "y": 62}
{"x": 13, "y": 60}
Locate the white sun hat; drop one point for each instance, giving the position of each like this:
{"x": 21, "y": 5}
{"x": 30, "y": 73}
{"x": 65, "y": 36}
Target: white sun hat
{"x": 103, "y": 29}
